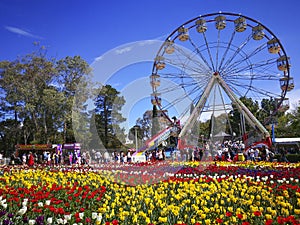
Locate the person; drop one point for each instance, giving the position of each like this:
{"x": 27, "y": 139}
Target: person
{"x": 283, "y": 153}
{"x": 160, "y": 154}
{"x": 78, "y": 157}
{"x": 129, "y": 156}
{"x": 30, "y": 159}
{"x": 195, "y": 154}
{"x": 219, "y": 154}
{"x": 45, "y": 155}
{"x": 106, "y": 157}
{"x": 13, "y": 159}
{"x": 122, "y": 157}
{"x": 176, "y": 129}
{"x": 270, "y": 155}
{"x": 147, "y": 155}
{"x": 24, "y": 159}
{"x": 263, "y": 153}
{"x": 201, "y": 153}
{"x": 98, "y": 157}
{"x": 70, "y": 158}
{"x": 87, "y": 157}
{"x": 252, "y": 154}
{"x": 1, "y": 158}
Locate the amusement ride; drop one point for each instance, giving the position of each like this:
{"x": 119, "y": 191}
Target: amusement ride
{"x": 208, "y": 64}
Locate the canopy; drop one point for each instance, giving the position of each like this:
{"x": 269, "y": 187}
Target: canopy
{"x": 222, "y": 134}
{"x": 281, "y": 140}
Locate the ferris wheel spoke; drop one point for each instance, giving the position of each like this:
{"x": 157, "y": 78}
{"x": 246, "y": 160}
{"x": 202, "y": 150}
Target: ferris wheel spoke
{"x": 247, "y": 58}
{"x": 179, "y": 99}
{"x": 193, "y": 66}
{"x": 188, "y": 88}
{"x": 201, "y": 55}
{"x": 258, "y": 66}
{"x": 237, "y": 52}
{"x": 186, "y": 79}
{"x": 226, "y": 51}
{"x": 256, "y": 76}
{"x": 256, "y": 91}
{"x": 209, "y": 52}
{"x": 218, "y": 48}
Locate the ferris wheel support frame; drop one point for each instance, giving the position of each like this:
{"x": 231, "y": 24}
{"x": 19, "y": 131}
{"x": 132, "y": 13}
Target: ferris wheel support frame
{"x": 199, "y": 106}
{"x": 216, "y": 78}
{"x": 242, "y": 108}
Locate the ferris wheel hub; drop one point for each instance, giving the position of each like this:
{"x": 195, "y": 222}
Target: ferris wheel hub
{"x": 216, "y": 73}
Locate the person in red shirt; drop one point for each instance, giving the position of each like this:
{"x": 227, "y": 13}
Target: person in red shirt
{"x": 31, "y": 159}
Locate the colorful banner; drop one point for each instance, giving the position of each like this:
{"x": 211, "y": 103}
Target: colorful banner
{"x": 34, "y": 147}
{"x": 72, "y": 146}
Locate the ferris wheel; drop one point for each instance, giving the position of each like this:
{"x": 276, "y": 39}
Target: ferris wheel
{"x": 219, "y": 54}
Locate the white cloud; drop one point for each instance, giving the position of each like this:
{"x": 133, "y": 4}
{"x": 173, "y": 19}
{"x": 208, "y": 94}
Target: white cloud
{"x": 21, "y": 32}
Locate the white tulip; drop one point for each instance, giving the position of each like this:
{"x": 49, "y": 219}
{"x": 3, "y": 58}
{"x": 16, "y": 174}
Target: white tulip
{"x": 81, "y": 215}
{"x": 48, "y": 202}
{"x": 68, "y": 217}
{"x": 50, "y": 220}
{"x": 99, "y": 218}
{"x": 31, "y": 222}
{"x": 94, "y": 215}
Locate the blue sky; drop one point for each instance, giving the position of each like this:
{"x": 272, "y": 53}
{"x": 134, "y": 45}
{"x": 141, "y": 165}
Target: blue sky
{"x": 93, "y": 28}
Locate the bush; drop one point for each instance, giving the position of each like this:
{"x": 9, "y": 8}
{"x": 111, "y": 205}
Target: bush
{"x": 290, "y": 157}
{"x": 293, "y": 158}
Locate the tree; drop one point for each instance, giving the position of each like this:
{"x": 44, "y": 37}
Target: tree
{"x": 155, "y": 122}
{"x": 73, "y": 71}
{"x": 11, "y": 103}
{"x": 138, "y": 131}
{"x": 37, "y": 98}
{"x": 108, "y": 117}
{"x": 288, "y": 124}
{"x": 236, "y": 118}
{"x": 204, "y": 129}
{"x": 24, "y": 83}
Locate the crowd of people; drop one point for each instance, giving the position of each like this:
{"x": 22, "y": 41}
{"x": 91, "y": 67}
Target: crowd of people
{"x": 225, "y": 151}
{"x": 236, "y": 151}
{"x": 51, "y": 157}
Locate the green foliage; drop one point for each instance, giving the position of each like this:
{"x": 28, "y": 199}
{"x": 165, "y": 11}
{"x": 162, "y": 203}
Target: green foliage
{"x": 37, "y": 95}
{"x": 293, "y": 158}
{"x": 138, "y": 131}
{"x": 155, "y": 122}
{"x": 108, "y": 117}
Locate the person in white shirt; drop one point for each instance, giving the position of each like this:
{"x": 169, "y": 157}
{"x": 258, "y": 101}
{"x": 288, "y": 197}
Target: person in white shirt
{"x": 252, "y": 154}
{"x": 106, "y": 157}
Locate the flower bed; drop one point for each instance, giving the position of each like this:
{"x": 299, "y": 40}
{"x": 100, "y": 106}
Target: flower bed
{"x": 179, "y": 193}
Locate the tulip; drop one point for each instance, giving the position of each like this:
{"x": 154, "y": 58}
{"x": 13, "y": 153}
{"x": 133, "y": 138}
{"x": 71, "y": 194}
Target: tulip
{"x": 50, "y": 220}
{"x": 31, "y": 222}
{"x": 22, "y": 211}
{"x": 94, "y": 215}
{"x": 48, "y": 202}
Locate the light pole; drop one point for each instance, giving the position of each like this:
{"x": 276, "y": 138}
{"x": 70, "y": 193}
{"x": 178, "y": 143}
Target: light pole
{"x": 136, "y": 139}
